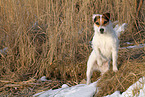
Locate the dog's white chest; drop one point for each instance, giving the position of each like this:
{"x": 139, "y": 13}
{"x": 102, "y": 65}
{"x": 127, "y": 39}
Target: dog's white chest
{"x": 105, "y": 48}
{"x": 104, "y": 44}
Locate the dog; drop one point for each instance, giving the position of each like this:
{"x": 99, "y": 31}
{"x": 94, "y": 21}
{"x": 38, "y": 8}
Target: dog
{"x": 105, "y": 46}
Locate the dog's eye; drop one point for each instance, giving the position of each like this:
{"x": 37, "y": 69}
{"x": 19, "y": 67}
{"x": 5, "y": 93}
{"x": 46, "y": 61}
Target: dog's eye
{"x": 97, "y": 23}
{"x": 105, "y": 22}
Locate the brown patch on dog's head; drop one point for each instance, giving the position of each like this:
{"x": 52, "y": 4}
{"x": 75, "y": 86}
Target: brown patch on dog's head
{"x": 102, "y": 20}
{"x": 97, "y": 20}
{"x": 106, "y": 16}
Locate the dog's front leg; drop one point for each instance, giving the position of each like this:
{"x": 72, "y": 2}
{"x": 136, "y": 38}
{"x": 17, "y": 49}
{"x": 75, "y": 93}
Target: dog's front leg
{"x": 114, "y": 59}
{"x": 90, "y": 66}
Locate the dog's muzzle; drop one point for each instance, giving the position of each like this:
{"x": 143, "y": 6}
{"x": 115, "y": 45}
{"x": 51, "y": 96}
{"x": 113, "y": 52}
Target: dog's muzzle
{"x": 101, "y": 30}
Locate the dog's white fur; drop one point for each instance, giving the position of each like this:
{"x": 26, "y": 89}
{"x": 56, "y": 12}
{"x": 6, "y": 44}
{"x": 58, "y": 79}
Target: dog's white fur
{"x": 105, "y": 47}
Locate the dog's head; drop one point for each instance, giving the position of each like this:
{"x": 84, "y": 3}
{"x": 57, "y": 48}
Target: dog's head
{"x": 101, "y": 22}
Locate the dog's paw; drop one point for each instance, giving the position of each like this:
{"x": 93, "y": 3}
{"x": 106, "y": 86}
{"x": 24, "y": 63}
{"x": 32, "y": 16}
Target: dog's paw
{"x": 115, "y": 69}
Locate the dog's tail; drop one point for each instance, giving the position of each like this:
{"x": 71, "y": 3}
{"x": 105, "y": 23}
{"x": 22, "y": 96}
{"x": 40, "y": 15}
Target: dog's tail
{"x": 119, "y": 29}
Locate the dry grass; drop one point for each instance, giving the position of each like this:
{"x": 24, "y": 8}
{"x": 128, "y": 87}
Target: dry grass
{"x": 51, "y": 37}
{"x": 131, "y": 69}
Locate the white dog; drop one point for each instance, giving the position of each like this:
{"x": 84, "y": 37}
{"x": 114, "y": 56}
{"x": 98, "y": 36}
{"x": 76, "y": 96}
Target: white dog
{"x": 104, "y": 44}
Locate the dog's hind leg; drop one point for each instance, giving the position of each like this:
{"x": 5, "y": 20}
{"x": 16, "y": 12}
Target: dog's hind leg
{"x": 90, "y": 66}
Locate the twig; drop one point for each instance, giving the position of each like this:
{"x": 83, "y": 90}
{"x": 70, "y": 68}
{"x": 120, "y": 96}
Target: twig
{"x": 120, "y": 83}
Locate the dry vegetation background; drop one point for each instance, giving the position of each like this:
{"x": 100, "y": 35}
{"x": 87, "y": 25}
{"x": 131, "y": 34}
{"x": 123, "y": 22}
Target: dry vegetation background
{"x": 52, "y": 37}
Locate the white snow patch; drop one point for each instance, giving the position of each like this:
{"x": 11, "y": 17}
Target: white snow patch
{"x": 65, "y": 86}
{"x": 3, "y": 51}
{"x": 135, "y": 90}
{"x": 120, "y": 28}
{"x": 80, "y": 90}
{"x": 115, "y": 94}
{"x": 128, "y": 43}
{"x": 43, "y": 78}
{"x": 134, "y": 46}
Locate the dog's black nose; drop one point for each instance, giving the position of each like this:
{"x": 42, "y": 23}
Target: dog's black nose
{"x": 102, "y": 30}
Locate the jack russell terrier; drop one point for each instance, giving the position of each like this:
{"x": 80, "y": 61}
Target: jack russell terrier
{"x": 105, "y": 45}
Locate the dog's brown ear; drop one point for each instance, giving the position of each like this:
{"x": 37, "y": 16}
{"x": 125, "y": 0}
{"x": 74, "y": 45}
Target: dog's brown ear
{"x": 107, "y": 15}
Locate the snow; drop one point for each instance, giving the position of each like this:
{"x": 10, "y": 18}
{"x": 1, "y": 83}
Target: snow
{"x": 135, "y": 90}
{"x": 43, "y": 78}
{"x": 134, "y": 46}
{"x": 65, "y": 86}
{"x": 120, "y": 28}
{"x": 4, "y": 51}
{"x": 128, "y": 43}
{"x": 115, "y": 94}
{"x": 83, "y": 90}
{"x": 80, "y": 90}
